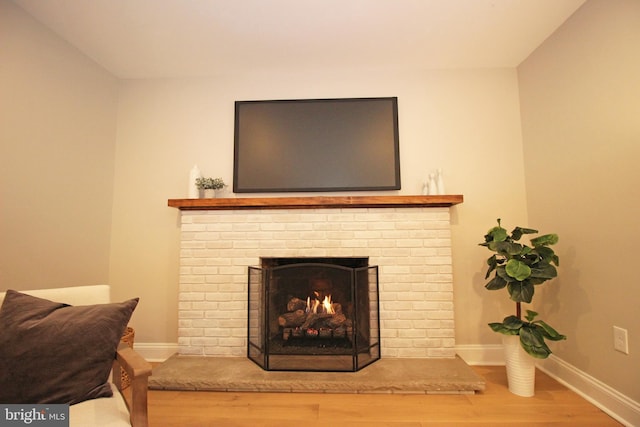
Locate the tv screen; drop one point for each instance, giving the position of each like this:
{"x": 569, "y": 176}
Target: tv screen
{"x": 316, "y": 145}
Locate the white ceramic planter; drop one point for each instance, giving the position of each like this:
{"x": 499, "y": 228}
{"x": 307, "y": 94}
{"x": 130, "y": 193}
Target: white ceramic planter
{"x": 521, "y": 367}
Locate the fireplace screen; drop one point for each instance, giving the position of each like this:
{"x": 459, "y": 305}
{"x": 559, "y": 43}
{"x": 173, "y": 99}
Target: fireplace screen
{"x": 313, "y": 314}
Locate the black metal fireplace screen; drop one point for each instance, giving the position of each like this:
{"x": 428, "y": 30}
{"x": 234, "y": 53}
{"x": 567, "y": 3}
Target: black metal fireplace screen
{"x": 313, "y": 314}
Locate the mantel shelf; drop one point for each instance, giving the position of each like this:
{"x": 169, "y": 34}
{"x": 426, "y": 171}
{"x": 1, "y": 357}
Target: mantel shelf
{"x": 319, "y": 202}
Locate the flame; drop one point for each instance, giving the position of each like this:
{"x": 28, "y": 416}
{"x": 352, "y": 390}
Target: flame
{"x": 315, "y": 306}
{"x": 327, "y": 305}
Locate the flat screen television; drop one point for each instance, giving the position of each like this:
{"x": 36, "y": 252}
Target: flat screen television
{"x": 348, "y": 144}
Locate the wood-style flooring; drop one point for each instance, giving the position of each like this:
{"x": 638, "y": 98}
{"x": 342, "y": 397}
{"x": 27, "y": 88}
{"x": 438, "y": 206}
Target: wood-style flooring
{"x": 553, "y": 405}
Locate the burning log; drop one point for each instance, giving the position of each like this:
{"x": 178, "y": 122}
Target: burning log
{"x": 314, "y": 318}
{"x": 286, "y": 333}
{"x": 340, "y": 332}
{"x": 292, "y": 320}
{"x": 295, "y": 304}
{"x": 336, "y": 320}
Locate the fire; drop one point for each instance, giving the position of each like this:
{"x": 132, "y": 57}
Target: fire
{"x": 324, "y": 307}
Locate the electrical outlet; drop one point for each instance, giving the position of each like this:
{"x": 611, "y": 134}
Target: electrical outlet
{"x": 620, "y": 340}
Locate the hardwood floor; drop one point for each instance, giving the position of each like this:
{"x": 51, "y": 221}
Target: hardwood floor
{"x": 553, "y": 405}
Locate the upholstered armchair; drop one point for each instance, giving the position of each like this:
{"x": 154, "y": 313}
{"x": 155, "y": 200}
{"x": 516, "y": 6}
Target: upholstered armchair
{"x": 60, "y": 345}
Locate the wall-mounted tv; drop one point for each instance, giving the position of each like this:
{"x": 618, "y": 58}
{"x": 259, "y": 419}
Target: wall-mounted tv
{"x": 348, "y": 144}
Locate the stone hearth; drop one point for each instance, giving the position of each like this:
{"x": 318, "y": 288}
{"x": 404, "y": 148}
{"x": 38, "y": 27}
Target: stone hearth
{"x": 393, "y": 375}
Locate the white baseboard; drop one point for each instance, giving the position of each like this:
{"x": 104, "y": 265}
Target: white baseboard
{"x": 486, "y": 355}
{"x": 614, "y": 403}
{"x": 156, "y": 352}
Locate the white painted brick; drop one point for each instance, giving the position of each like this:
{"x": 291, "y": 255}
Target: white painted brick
{"x": 409, "y": 316}
{"x": 427, "y": 324}
{"x": 190, "y": 314}
{"x": 232, "y": 342}
{"x": 191, "y": 332}
{"x": 193, "y": 244}
{"x": 205, "y": 341}
{"x": 192, "y": 296}
{"x": 440, "y": 315}
{"x": 326, "y": 226}
{"x": 189, "y": 350}
{"x": 399, "y": 343}
{"x": 411, "y": 353}
{"x": 428, "y": 343}
{"x": 411, "y": 245}
{"x": 441, "y": 333}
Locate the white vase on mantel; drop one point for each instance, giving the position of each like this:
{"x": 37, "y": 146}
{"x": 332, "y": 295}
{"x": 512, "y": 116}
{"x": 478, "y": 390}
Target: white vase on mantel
{"x": 521, "y": 367}
{"x": 194, "y": 174}
{"x": 209, "y": 193}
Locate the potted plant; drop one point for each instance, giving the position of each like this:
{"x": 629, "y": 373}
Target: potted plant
{"x": 520, "y": 268}
{"x": 209, "y": 185}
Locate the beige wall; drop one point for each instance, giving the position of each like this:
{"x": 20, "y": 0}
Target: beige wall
{"x": 461, "y": 121}
{"x": 580, "y": 98}
{"x": 57, "y": 140}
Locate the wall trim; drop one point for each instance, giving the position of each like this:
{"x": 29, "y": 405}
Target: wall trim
{"x": 485, "y": 355}
{"x": 156, "y": 352}
{"x": 617, "y": 405}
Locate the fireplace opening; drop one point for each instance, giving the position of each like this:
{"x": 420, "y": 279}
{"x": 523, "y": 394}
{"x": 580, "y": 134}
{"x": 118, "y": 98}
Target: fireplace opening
{"x": 313, "y": 314}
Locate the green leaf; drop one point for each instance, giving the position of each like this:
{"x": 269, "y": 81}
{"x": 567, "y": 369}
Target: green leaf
{"x": 546, "y": 253}
{"x": 496, "y": 234}
{"x": 502, "y": 272}
{"x": 517, "y": 232}
{"x": 545, "y": 240}
{"x": 496, "y": 283}
{"x": 544, "y": 271}
{"x": 530, "y": 315}
{"x": 506, "y": 249}
{"x": 493, "y": 263}
{"x": 499, "y": 327}
{"x": 549, "y": 332}
{"x": 512, "y": 322}
{"x": 517, "y": 269}
{"x": 533, "y": 343}
{"x": 520, "y": 291}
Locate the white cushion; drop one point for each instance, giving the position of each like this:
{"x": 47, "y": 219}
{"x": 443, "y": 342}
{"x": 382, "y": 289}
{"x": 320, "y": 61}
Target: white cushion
{"x": 103, "y": 412}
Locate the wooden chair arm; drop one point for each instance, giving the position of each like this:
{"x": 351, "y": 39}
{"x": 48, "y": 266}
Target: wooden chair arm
{"x": 138, "y": 370}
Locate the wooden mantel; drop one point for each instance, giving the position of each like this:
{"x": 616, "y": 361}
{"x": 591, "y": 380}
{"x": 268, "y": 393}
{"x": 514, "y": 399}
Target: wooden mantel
{"x": 318, "y": 202}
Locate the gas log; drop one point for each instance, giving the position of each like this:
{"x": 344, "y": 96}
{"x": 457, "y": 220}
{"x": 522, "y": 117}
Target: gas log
{"x": 292, "y": 319}
{"x": 297, "y": 322}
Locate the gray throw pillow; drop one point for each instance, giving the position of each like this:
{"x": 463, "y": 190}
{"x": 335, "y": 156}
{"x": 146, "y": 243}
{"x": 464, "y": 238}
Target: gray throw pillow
{"x": 52, "y": 352}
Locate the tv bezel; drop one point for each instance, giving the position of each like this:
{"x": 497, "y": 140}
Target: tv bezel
{"x": 396, "y": 185}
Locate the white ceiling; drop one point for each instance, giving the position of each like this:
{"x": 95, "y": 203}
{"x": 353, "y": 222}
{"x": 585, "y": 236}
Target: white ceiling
{"x": 178, "y": 38}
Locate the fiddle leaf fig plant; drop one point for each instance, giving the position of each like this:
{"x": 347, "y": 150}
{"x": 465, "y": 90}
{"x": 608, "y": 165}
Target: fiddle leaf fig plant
{"x": 520, "y": 268}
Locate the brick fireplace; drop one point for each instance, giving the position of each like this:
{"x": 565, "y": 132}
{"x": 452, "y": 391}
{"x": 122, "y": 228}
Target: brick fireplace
{"x": 407, "y": 237}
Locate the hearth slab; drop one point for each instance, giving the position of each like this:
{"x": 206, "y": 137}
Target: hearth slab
{"x": 388, "y": 375}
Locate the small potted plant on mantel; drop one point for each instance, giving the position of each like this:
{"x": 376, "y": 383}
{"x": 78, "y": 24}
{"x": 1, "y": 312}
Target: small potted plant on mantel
{"x": 209, "y": 186}
{"x": 520, "y": 268}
